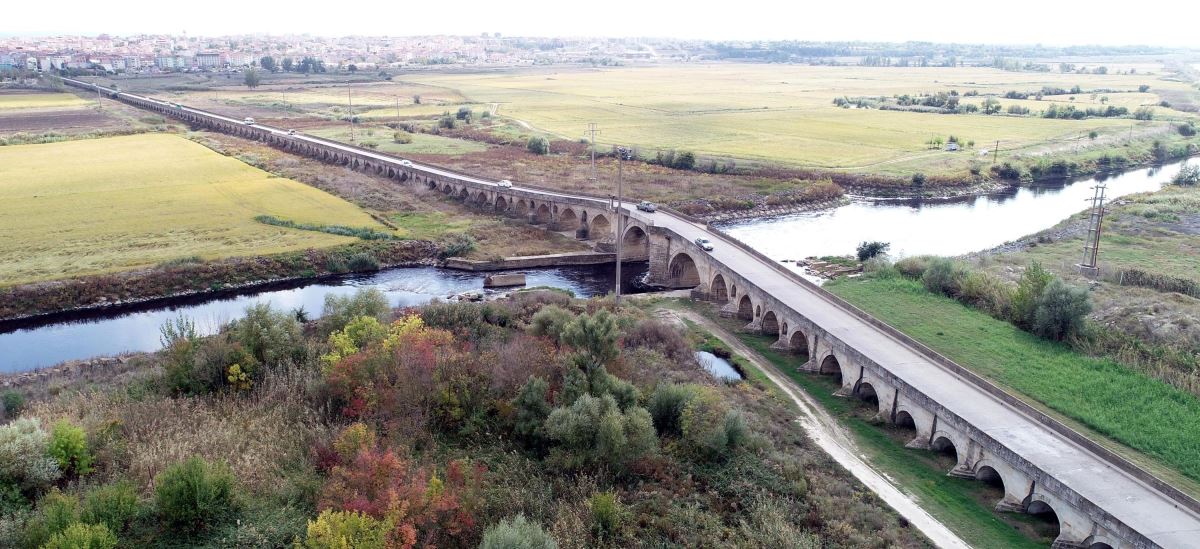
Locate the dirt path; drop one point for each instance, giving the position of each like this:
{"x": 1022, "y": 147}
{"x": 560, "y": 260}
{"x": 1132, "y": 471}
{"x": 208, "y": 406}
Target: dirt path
{"x": 830, "y": 437}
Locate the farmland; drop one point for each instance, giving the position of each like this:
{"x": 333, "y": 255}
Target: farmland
{"x": 105, "y": 205}
{"x": 785, "y": 114}
{"x": 19, "y": 100}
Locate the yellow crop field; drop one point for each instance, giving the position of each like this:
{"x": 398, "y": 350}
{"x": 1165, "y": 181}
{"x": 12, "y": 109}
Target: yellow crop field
{"x": 14, "y": 101}
{"x": 785, "y": 113}
{"x": 117, "y": 203}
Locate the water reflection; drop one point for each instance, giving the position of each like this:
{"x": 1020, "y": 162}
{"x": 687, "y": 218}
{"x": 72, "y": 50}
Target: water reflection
{"x": 941, "y": 227}
{"x": 717, "y": 366}
{"x": 49, "y": 340}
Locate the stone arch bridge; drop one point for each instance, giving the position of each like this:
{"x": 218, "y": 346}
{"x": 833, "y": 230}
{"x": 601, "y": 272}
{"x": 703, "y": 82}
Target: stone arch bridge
{"x": 1099, "y": 499}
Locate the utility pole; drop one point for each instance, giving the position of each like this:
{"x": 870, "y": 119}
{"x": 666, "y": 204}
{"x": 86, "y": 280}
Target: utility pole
{"x": 350, "y": 100}
{"x": 397, "y": 113}
{"x": 620, "y": 224}
{"x": 99, "y": 105}
{"x": 1091, "y": 246}
{"x": 592, "y": 130}
{"x": 996, "y": 152}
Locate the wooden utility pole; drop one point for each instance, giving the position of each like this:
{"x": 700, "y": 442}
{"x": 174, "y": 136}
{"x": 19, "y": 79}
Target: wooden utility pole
{"x": 593, "y": 131}
{"x": 996, "y": 152}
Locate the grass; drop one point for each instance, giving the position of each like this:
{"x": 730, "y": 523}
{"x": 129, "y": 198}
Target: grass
{"x": 422, "y": 143}
{"x": 431, "y": 225}
{"x": 1114, "y": 401}
{"x": 965, "y": 506}
{"x": 118, "y": 203}
{"x": 15, "y": 101}
{"x": 785, "y": 113}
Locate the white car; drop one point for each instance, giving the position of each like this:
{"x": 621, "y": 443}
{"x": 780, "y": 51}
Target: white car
{"x": 406, "y": 163}
{"x": 504, "y": 183}
{"x": 248, "y": 121}
{"x": 705, "y": 244}
{"x": 291, "y": 132}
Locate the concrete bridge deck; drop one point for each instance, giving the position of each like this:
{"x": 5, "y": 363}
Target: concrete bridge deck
{"x": 1100, "y": 500}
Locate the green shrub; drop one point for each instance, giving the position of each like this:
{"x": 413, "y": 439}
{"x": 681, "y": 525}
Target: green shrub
{"x": 346, "y": 530}
{"x": 517, "y": 533}
{"x": 82, "y": 536}
{"x": 595, "y": 336}
{"x": 593, "y": 432}
{"x": 1061, "y": 310}
{"x": 867, "y": 250}
{"x": 608, "y": 514}
{"x": 361, "y": 262}
{"x": 913, "y": 267}
{"x": 271, "y": 336}
{"x": 402, "y": 137}
{"x": 456, "y": 245}
{"x": 988, "y": 293}
{"x": 532, "y": 407}
{"x": 194, "y": 495}
{"x": 550, "y": 321}
{"x": 1029, "y": 289}
{"x": 24, "y": 461}
{"x": 68, "y": 445}
{"x": 340, "y": 310}
{"x": 666, "y": 406}
{"x": 943, "y": 276}
{"x": 13, "y": 401}
{"x": 538, "y": 145}
{"x": 710, "y": 430}
{"x": 113, "y": 505}
{"x": 56, "y": 512}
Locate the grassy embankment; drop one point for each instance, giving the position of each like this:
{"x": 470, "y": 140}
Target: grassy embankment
{"x": 1102, "y": 395}
{"x": 105, "y": 205}
{"x": 965, "y": 506}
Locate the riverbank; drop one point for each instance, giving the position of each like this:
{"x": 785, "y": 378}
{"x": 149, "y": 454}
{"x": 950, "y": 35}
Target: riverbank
{"x": 194, "y": 277}
{"x": 569, "y": 259}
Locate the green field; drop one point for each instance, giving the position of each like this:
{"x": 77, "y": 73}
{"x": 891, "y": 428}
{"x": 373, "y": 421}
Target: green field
{"x": 117, "y": 203}
{"x": 381, "y": 137}
{"x": 1114, "y": 401}
{"x": 784, "y": 113}
{"x": 14, "y": 101}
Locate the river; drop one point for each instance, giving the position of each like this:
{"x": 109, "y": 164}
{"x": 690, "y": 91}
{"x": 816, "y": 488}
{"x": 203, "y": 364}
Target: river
{"x": 912, "y": 227}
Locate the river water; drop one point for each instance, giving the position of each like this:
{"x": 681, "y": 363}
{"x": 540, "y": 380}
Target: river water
{"x": 941, "y": 227}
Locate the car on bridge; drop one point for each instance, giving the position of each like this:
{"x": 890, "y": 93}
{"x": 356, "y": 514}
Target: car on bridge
{"x": 291, "y": 132}
{"x": 504, "y": 183}
{"x": 648, "y": 207}
{"x": 406, "y": 163}
{"x": 248, "y": 121}
{"x": 705, "y": 244}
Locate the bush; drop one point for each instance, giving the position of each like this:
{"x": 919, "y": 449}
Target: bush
{"x": 24, "y": 461}
{"x": 593, "y": 432}
{"x": 913, "y": 267}
{"x": 685, "y": 160}
{"x": 517, "y": 533}
{"x": 1061, "y": 310}
{"x": 446, "y": 121}
{"x": 666, "y": 406}
{"x": 1008, "y": 171}
{"x": 662, "y": 337}
{"x": 113, "y": 505}
{"x": 55, "y": 513}
{"x": 361, "y": 262}
{"x": 538, "y": 145}
{"x": 13, "y": 402}
{"x": 943, "y": 276}
{"x": 608, "y": 514}
{"x": 68, "y": 445}
{"x": 1188, "y": 175}
{"x": 195, "y": 494}
{"x": 594, "y": 336}
{"x": 867, "y": 250}
{"x": 1144, "y": 113}
{"x": 464, "y": 113}
{"x": 918, "y": 179}
{"x": 82, "y": 536}
{"x": 402, "y": 137}
{"x": 710, "y": 429}
{"x": 346, "y": 530}
{"x": 1029, "y": 290}
{"x": 532, "y": 407}
{"x": 988, "y": 293}
{"x": 270, "y": 336}
{"x": 340, "y": 310}
{"x": 456, "y": 245}
{"x": 550, "y": 321}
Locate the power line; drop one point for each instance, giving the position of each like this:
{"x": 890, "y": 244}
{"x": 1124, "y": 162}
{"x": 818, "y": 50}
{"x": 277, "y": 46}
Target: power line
{"x": 1091, "y": 246}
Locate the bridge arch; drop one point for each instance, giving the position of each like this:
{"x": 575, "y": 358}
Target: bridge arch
{"x": 798, "y": 343}
{"x": 943, "y": 444}
{"x": 682, "y": 271}
{"x": 635, "y": 246}
{"x": 599, "y": 227}
{"x": 502, "y": 204}
{"x": 831, "y": 366}
{"x": 745, "y": 308}
{"x": 464, "y": 194}
{"x": 568, "y": 219}
{"x": 717, "y": 290}
{"x": 481, "y": 198}
{"x": 770, "y": 323}
{"x": 1046, "y": 512}
{"x": 542, "y": 214}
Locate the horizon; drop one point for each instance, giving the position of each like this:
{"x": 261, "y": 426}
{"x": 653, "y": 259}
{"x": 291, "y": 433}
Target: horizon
{"x": 1021, "y": 22}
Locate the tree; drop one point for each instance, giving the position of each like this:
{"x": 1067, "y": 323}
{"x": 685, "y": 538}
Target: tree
{"x": 532, "y": 409}
{"x": 1144, "y": 113}
{"x": 538, "y": 145}
{"x": 268, "y": 63}
{"x": 685, "y": 160}
{"x": 991, "y": 106}
{"x": 464, "y": 113}
{"x": 288, "y": 64}
{"x": 867, "y": 250}
{"x": 595, "y": 336}
{"x": 1061, "y": 310}
{"x": 1144, "y": 88}
{"x": 352, "y": 68}
{"x": 251, "y": 78}
{"x": 416, "y": 100}
{"x": 1029, "y": 289}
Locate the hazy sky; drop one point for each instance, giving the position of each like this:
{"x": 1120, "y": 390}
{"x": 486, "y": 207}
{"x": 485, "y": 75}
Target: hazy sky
{"x": 1053, "y": 22}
